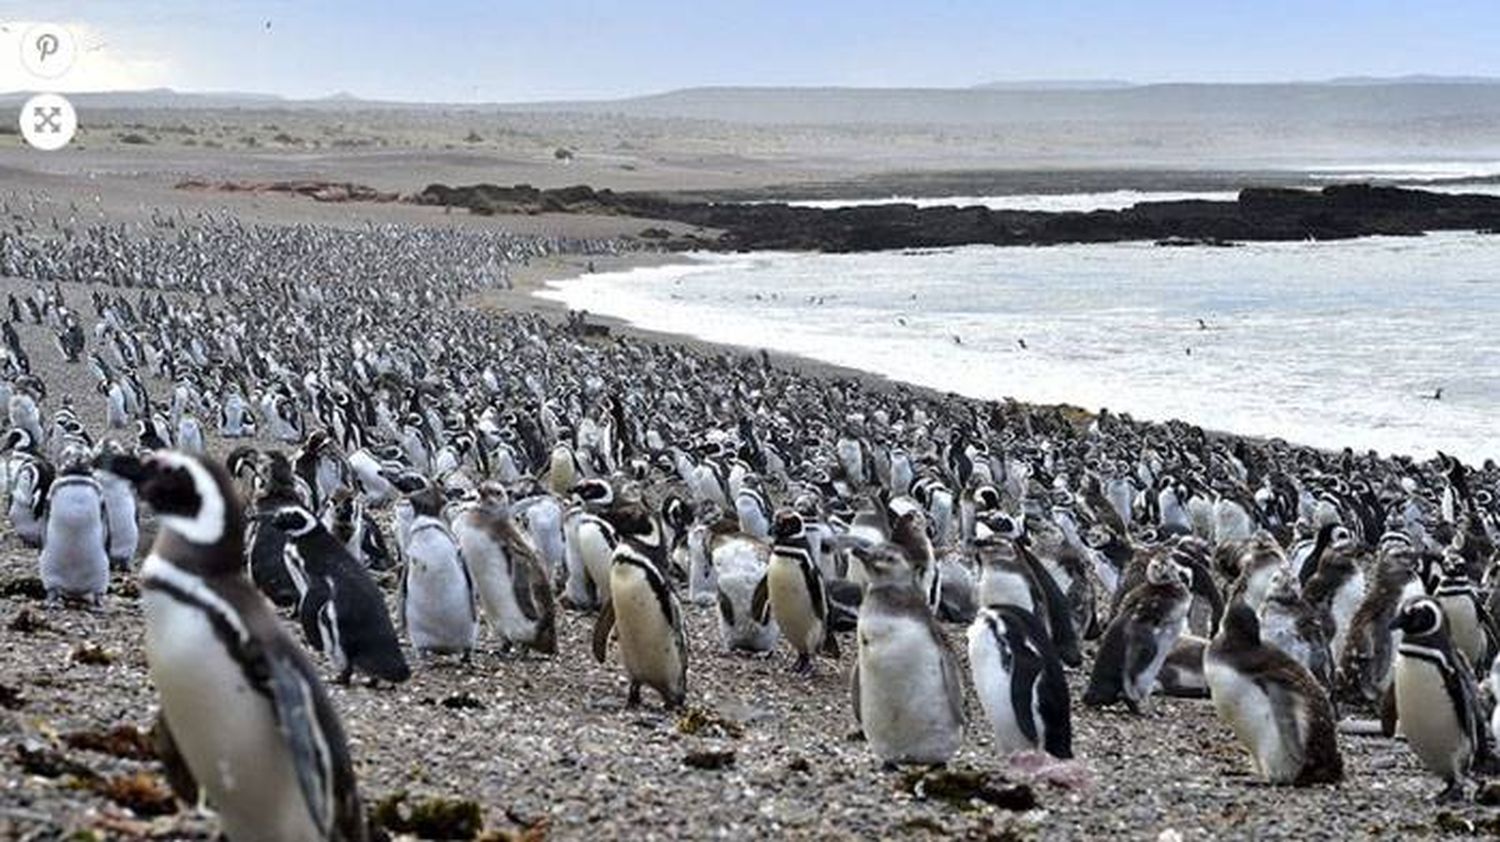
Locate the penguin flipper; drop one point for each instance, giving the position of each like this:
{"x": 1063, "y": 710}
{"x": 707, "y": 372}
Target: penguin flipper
{"x": 854, "y": 694}
{"x": 602, "y": 627}
{"x": 953, "y": 684}
{"x": 179, "y": 776}
{"x": 760, "y": 601}
{"x": 297, "y": 718}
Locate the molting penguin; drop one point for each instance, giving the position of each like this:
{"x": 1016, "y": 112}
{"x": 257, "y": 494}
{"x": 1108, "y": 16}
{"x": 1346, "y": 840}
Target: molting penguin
{"x": 1139, "y": 638}
{"x": 511, "y": 580}
{"x": 906, "y": 687}
{"x": 343, "y": 611}
{"x": 645, "y": 609}
{"x": 74, "y": 559}
{"x": 1020, "y": 681}
{"x": 437, "y": 595}
{"x": 240, "y": 702}
{"x": 1276, "y": 708}
{"x": 1437, "y": 700}
{"x": 120, "y": 512}
{"x": 1290, "y": 624}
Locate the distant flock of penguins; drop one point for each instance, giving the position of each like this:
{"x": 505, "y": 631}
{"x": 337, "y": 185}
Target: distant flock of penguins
{"x": 501, "y": 468}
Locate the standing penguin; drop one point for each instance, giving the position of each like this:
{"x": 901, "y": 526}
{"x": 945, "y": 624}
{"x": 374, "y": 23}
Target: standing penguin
{"x": 1279, "y": 712}
{"x": 1437, "y": 699}
{"x": 792, "y": 593}
{"x": 75, "y": 558}
{"x": 120, "y": 513}
{"x": 436, "y": 595}
{"x": 240, "y": 702}
{"x": 644, "y": 607}
{"x": 343, "y": 611}
{"x": 1469, "y": 623}
{"x": 511, "y": 580}
{"x": 906, "y": 688}
{"x": 1139, "y": 638}
{"x": 1019, "y": 679}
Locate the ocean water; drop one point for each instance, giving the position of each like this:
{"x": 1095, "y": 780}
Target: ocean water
{"x": 1330, "y": 344}
{"x": 1415, "y": 174}
{"x": 1051, "y": 202}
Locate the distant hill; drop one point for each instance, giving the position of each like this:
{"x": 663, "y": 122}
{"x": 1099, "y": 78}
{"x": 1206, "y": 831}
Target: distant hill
{"x": 1055, "y": 85}
{"x": 1390, "y": 103}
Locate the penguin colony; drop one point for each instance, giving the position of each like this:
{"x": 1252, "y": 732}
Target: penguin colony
{"x": 307, "y": 414}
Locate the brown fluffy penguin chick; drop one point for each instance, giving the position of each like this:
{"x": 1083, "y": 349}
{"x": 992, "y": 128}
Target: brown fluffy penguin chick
{"x": 1276, "y": 708}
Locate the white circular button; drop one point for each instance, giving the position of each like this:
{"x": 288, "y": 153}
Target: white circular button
{"x": 48, "y": 50}
{"x": 48, "y": 122}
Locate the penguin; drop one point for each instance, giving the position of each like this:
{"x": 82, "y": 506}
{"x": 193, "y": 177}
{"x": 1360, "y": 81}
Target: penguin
{"x": 1276, "y": 708}
{"x": 726, "y": 569}
{"x": 645, "y": 609}
{"x": 1181, "y": 675}
{"x": 343, "y": 612}
{"x": 1139, "y": 638}
{"x": 241, "y": 705}
{"x": 120, "y": 513}
{"x": 792, "y": 593}
{"x": 1009, "y": 575}
{"x": 1289, "y": 623}
{"x": 1020, "y": 683}
{"x": 511, "y": 579}
{"x": 268, "y": 568}
{"x": 75, "y": 557}
{"x": 754, "y": 515}
{"x": 905, "y": 686}
{"x": 436, "y": 593}
{"x": 1370, "y": 647}
{"x": 1336, "y": 588}
{"x": 28, "y": 500}
{"x": 1469, "y": 623}
{"x": 1437, "y": 699}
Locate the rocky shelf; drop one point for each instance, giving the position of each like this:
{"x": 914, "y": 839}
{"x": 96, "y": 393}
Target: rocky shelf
{"x": 1259, "y": 214}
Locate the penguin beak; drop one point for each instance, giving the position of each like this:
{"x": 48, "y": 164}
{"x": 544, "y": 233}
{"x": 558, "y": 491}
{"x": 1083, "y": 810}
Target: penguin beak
{"x": 1399, "y": 623}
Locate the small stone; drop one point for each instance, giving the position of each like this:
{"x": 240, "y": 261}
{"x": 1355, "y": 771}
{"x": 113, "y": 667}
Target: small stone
{"x": 709, "y": 759}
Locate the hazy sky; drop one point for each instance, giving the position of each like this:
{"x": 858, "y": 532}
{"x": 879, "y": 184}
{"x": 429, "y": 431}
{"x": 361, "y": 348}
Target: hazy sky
{"x": 500, "y": 50}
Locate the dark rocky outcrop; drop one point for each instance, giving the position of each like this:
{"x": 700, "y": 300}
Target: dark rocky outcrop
{"x": 1334, "y": 212}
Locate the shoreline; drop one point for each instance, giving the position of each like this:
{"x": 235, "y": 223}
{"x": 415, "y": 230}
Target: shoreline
{"x": 523, "y": 297}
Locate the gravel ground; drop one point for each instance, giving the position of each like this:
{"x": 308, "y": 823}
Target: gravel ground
{"x": 547, "y": 744}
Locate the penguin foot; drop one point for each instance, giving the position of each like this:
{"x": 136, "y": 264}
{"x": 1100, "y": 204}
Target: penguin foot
{"x": 633, "y": 697}
{"x": 1453, "y": 793}
{"x": 804, "y": 664}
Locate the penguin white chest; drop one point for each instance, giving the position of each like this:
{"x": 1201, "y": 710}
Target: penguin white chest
{"x": 596, "y": 551}
{"x": 1004, "y": 587}
{"x": 792, "y": 604}
{"x": 991, "y": 667}
{"x": 904, "y": 708}
{"x": 648, "y": 642}
{"x": 1345, "y": 602}
{"x": 1247, "y": 709}
{"x": 225, "y": 729}
{"x": 489, "y": 567}
{"x": 439, "y": 602}
{"x": 1428, "y": 718}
